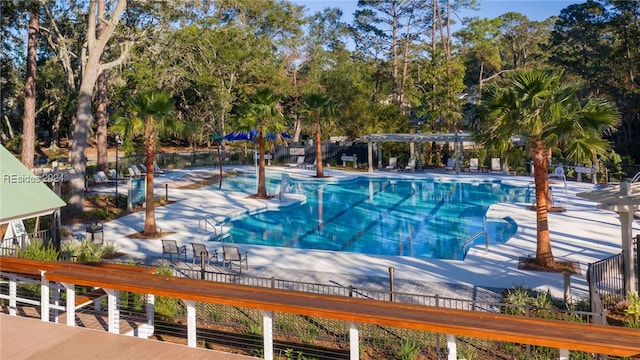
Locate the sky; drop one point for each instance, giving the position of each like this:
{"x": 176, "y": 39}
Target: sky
{"x": 536, "y": 10}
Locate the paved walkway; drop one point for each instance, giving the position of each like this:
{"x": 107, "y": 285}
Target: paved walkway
{"x": 582, "y": 233}
{"x": 24, "y": 338}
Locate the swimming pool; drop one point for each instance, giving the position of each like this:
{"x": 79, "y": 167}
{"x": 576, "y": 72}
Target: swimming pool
{"x": 422, "y": 218}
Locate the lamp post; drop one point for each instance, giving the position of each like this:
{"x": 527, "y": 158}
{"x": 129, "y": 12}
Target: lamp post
{"x": 118, "y": 142}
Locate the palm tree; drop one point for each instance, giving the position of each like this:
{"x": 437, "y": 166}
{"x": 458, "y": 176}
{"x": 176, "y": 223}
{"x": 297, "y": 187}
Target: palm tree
{"x": 544, "y": 110}
{"x": 262, "y": 113}
{"x": 149, "y": 114}
{"x": 316, "y": 107}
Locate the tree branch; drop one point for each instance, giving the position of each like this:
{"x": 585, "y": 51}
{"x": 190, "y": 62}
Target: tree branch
{"x": 124, "y": 55}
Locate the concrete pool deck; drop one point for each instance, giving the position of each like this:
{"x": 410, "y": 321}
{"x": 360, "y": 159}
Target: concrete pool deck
{"x": 582, "y": 234}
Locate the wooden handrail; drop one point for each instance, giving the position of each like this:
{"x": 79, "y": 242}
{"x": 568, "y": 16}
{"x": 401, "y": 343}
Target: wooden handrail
{"x": 616, "y": 341}
{"x": 33, "y": 267}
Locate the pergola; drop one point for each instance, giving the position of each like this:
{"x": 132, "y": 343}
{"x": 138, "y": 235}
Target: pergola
{"x": 457, "y": 138}
{"x": 625, "y": 200}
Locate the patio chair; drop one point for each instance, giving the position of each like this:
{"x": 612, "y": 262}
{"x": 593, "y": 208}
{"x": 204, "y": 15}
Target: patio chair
{"x": 232, "y": 254}
{"x": 473, "y": 164}
{"x": 157, "y": 170}
{"x": 97, "y": 180}
{"x": 200, "y": 251}
{"x": 393, "y": 163}
{"x": 143, "y": 167}
{"x": 495, "y": 165}
{"x": 411, "y": 165}
{"x": 170, "y": 247}
{"x": 299, "y": 162}
{"x": 451, "y": 164}
{"x": 137, "y": 171}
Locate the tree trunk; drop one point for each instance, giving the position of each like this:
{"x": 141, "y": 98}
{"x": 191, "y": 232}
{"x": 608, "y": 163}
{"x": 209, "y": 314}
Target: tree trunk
{"x": 101, "y": 108}
{"x": 544, "y": 256}
{"x": 262, "y": 187}
{"x": 77, "y": 152}
{"x": 318, "y": 140}
{"x": 29, "y": 116}
{"x": 150, "y": 213}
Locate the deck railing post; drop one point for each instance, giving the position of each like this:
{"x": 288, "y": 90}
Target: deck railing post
{"x": 13, "y": 294}
{"x": 44, "y": 297}
{"x": 71, "y": 303}
{"x": 151, "y": 303}
{"x": 114, "y": 311}
{"x": 191, "y": 322}
{"x": 452, "y": 347}
{"x": 267, "y": 332}
{"x": 354, "y": 342}
{"x": 564, "y": 354}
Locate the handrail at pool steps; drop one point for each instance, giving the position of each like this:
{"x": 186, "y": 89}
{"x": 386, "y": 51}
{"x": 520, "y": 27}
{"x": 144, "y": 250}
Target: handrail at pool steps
{"x": 472, "y": 238}
{"x": 206, "y": 222}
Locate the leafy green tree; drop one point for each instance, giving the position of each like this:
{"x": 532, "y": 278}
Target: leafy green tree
{"x": 546, "y": 111}
{"x": 318, "y": 108}
{"x": 262, "y": 113}
{"x": 149, "y": 114}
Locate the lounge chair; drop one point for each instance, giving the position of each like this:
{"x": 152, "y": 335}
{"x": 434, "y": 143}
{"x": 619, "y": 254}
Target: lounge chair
{"x": 473, "y": 164}
{"x": 299, "y": 162}
{"x": 200, "y": 251}
{"x": 393, "y": 163}
{"x": 495, "y": 165}
{"x": 170, "y": 247}
{"x": 451, "y": 164}
{"x": 411, "y": 165}
{"x": 157, "y": 170}
{"x": 97, "y": 180}
{"x": 232, "y": 254}
{"x": 143, "y": 167}
{"x": 138, "y": 172}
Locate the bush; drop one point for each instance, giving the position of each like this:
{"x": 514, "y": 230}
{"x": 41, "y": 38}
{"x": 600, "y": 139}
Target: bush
{"x": 36, "y": 250}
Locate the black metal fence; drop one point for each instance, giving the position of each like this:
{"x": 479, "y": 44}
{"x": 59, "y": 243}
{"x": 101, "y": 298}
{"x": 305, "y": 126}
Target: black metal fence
{"x": 281, "y": 154}
{"x": 606, "y": 279}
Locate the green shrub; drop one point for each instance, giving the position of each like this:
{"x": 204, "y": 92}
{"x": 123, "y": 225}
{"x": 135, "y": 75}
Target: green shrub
{"x": 36, "y": 250}
{"x": 408, "y": 350}
{"x": 166, "y": 306}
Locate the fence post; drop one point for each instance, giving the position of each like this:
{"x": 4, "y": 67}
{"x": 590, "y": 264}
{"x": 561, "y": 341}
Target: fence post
{"x": 166, "y": 192}
{"x": 392, "y": 286}
{"x": 202, "y": 265}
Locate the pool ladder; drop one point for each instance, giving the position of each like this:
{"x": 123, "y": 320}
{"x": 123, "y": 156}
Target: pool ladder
{"x": 472, "y": 238}
{"x": 207, "y": 222}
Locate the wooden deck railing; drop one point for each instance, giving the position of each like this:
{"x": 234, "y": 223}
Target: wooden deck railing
{"x": 562, "y": 335}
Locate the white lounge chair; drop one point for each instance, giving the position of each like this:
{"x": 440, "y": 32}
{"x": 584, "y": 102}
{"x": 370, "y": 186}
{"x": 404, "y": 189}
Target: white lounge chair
{"x": 157, "y": 170}
{"x": 473, "y": 164}
{"x": 411, "y": 165}
{"x": 393, "y": 163}
{"x": 495, "y": 165}
{"x": 451, "y": 164}
{"x": 143, "y": 167}
{"x": 299, "y": 162}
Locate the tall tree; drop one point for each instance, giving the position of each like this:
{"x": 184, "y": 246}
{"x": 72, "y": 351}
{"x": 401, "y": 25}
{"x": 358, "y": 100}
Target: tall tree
{"x": 544, "y": 109}
{"x": 150, "y": 113}
{"x": 262, "y": 113}
{"x": 29, "y": 116}
{"x": 386, "y": 30}
{"x": 95, "y": 46}
{"x": 101, "y": 107}
{"x": 318, "y": 109}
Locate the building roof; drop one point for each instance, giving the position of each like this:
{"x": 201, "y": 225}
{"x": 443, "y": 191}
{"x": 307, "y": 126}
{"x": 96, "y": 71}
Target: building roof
{"x": 22, "y": 194}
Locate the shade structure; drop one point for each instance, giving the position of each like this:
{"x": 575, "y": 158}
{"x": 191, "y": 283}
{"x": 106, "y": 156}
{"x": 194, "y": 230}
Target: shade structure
{"x": 251, "y": 135}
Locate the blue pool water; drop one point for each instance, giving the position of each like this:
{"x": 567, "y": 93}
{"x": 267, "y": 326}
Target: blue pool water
{"x": 418, "y": 218}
